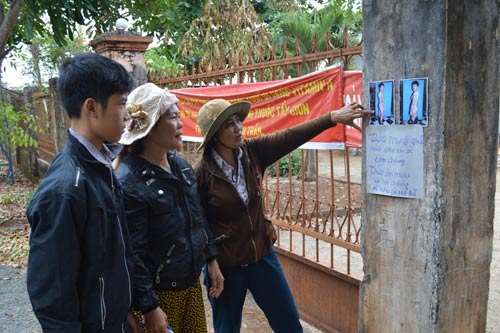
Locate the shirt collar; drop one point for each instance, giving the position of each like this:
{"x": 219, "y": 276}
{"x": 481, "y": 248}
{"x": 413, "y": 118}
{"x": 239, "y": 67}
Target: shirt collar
{"x": 108, "y": 152}
{"x": 216, "y": 155}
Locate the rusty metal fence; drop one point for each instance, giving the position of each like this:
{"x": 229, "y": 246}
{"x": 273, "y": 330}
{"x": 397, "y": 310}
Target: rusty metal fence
{"x": 314, "y": 224}
{"x": 317, "y": 218}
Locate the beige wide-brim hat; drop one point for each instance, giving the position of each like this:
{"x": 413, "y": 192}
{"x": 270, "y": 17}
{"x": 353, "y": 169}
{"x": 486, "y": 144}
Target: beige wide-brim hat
{"x": 145, "y": 105}
{"x": 214, "y": 113}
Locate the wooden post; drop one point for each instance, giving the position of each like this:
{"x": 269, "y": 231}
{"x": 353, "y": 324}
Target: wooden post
{"x": 61, "y": 121}
{"x": 427, "y": 261}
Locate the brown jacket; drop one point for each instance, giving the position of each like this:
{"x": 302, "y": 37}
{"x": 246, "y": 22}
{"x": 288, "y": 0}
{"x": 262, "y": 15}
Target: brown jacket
{"x": 243, "y": 233}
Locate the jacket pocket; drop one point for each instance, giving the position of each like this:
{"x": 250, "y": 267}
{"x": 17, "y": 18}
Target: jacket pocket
{"x": 270, "y": 231}
{"x": 166, "y": 262}
{"x": 189, "y": 176}
{"x": 163, "y": 199}
{"x": 222, "y": 237}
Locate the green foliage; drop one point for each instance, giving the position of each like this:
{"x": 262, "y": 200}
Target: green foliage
{"x": 310, "y": 27}
{"x": 157, "y": 60}
{"x": 14, "y": 128}
{"x": 296, "y": 165}
{"x": 57, "y": 19}
{"x": 46, "y": 55}
{"x": 23, "y": 20}
{"x": 16, "y": 198}
{"x": 65, "y": 15}
{"x": 165, "y": 20}
{"x": 274, "y": 12}
{"x": 188, "y": 31}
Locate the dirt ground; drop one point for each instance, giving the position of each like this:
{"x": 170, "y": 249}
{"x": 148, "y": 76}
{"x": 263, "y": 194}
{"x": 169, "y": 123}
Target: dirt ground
{"x": 14, "y": 228}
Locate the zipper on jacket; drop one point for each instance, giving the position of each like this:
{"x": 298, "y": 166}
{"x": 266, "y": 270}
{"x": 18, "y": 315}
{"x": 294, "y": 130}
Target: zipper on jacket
{"x": 103, "y": 304}
{"x": 112, "y": 184}
{"x": 206, "y": 235}
{"x": 125, "y": 263}
{"x": 190, "y": 224}
{"x": 184, "y": 176}
{"x": 251, "y": 237}
{"x": 121, "y": 237}
{"x": 78, "y": 171}
{"x": 248, "y": 214}
{"x": 189, "y": 212}
{"x": 167, "y": 261}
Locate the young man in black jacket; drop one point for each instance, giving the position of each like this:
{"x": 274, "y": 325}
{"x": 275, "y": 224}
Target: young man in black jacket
{"x": 79, "y": 268}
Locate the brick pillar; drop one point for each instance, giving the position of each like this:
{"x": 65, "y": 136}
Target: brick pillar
{"x": 427, "y": 260}
{"x": 127, "y": 48}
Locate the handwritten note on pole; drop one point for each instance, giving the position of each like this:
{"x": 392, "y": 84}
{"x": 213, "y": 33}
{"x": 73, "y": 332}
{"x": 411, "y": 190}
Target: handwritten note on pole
{"x": 394, "y": 161}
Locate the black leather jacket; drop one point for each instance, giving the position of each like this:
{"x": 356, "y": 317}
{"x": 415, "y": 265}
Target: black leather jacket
{"x": 79, "y": 267}
{"x": 170, "y": 236}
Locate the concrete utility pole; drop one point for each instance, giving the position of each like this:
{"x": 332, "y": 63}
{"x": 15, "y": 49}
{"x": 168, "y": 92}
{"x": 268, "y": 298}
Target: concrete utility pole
{"x": 427, "y": 260}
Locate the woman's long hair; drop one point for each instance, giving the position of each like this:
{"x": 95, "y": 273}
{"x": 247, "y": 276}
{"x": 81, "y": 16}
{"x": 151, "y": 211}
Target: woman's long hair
{"x": 135, "y": 148}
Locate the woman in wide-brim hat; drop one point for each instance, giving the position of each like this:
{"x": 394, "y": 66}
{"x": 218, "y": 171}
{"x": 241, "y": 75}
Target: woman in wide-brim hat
{"x": 170, "y": 237}
{"x": 229, "y": 180}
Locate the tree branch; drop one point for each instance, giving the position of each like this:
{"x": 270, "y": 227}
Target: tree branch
{"x": 9, "y": 22}
{"x": 2, "y": 12}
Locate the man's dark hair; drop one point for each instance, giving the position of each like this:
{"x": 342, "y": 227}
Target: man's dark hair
{"x": 415, "y": 82}
{"x": 381, "y": 84}
{"x": 90, "y": 75}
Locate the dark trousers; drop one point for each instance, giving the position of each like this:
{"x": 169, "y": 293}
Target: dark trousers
{"x": 267, "y": 283}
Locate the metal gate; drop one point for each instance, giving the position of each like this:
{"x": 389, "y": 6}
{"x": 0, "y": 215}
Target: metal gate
{"x": 318, "y": 219}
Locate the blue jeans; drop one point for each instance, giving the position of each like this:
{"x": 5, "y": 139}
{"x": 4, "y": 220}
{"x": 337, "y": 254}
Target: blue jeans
{"x": 267, "y": 283}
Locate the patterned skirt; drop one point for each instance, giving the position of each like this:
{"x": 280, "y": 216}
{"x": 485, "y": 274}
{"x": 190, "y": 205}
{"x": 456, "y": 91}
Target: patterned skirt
{"x": 184, "y": 308}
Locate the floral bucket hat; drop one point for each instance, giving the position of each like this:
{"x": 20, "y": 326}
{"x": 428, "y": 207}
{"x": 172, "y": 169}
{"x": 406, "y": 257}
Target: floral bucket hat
{"x": 145, "y": 105}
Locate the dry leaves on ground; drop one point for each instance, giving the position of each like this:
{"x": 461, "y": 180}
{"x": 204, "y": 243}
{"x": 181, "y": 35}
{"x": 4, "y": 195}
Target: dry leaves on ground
{"x": 14, "y": 227}
{"x": 343, "y": 194}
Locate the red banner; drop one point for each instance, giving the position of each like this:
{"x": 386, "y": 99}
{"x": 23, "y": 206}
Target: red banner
{"x": 353, "y": 92}
{"x": 280, "y": 104}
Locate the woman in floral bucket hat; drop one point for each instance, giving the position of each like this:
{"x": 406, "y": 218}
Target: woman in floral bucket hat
{"x": 229, "y": 178}
{"x": 170, "y": 237}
